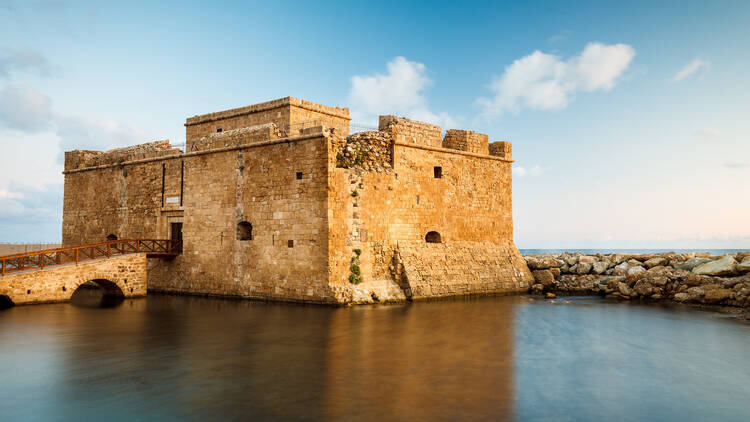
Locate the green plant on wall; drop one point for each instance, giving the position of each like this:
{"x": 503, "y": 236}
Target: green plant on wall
{"x": 355, "y": 276}
{"x": 356, "y": 158}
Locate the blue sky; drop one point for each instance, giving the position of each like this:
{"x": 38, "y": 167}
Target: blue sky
{"x": 629, "y": 121}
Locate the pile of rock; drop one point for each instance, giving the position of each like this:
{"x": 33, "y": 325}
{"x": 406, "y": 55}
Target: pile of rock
{"x": 693, "y": 278}
{"x": 369, "y": 151}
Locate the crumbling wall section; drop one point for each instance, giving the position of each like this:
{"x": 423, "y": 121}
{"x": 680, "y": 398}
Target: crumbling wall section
{"x": 501, "y": 149}
{"x": 235, "y": 137}
{"x": 83, "y": 159}
{"x": 411, "y": 132}
{"x": 368, "y": 151}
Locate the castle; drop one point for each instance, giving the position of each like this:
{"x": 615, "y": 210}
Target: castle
{"x": 277, "y": 201}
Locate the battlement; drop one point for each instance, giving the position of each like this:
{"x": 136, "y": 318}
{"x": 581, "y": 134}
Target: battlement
{"x": 501, "y": 149}
{"x": 78, "y": 159}
{"x": 466, "y": 140}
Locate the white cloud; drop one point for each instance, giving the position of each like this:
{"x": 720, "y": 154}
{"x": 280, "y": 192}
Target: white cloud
{"x": 23, "y": 108}
{"x": 559, "y": 37}
{"x": 400, "y": 91}
{"x": 520, "y": 171}
{"x": 708, "y": 132}
{"x": 691, "y": 68}
{"x": 12, "y": 60}
{"x": 86, "y": 132}
{"x": 543, "y": 81}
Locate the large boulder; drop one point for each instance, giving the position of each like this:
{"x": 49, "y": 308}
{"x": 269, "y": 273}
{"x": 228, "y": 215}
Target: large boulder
{"x": 583, "y": 268}
{"x": 540, "y": 262}
{"x": 600, "y": 267}
{"x": 717, "y": 295}
{"x": 721, "y": 267}
{"x": 691, "y": 263}
{"x": 655, "y": 262}
{"x": 621, "y": 269}
{"x": 744, "y": 266}
{"x": 587, "y": 259}
{"x": 635, "y": 270}
{"x": 544, "y": 277}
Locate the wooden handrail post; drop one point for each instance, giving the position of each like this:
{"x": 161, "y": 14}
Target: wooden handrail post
{"x": 41, "y": 261}
{"x": 76, "y": 256}
{"x": 108, "y": 253}
{"x": 3, "y": 267}
{"x": 138, "y": 245}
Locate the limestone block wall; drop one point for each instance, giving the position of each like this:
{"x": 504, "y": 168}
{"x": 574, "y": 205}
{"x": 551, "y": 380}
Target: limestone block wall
{"x": 466, "y": 140}
{"x": 119, "y": 276}
{"x": 469, "y": 205}
{"x": 279, "y": 189}
{"x": 286, "y": 113}
{"x": 410, "y": 131}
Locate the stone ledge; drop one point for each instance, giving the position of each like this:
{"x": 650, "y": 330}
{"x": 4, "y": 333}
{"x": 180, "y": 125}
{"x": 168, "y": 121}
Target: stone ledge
{"x": 339, "y": 112}
{"x": 453, "y": 151}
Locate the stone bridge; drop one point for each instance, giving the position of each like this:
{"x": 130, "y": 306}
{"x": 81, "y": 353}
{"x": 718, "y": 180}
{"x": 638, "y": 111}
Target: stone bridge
{"x": 53, "y": 275}
{"x": 119, "y": 276}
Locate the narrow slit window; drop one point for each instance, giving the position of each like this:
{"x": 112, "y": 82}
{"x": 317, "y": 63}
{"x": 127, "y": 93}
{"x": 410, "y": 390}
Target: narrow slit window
{"x": 438, "y": 172}
{"x": 218, "y": 130}
{"x": 290, "y": 243}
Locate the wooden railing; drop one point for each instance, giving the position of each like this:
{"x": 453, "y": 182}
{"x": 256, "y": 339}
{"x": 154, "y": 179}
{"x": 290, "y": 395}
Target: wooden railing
{"x": 76, "y": 254}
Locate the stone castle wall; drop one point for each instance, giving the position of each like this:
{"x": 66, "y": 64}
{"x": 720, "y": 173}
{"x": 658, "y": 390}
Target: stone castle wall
{"x": 320, "y": 204}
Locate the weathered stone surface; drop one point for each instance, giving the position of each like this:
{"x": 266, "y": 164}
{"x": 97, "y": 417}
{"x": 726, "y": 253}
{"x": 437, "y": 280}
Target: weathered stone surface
{"x": 587, "y": 259}
{"x": 555, "y": 272}
{"x": 621, "y": 269}
{"x": 540, "y": 262}
{"x": 600, "y": 267}
{"x": 724, "y": 266}
{"x": 583, "y": 268}
{"x": 744, "y": 266}
{"x": 656, "y": 261}
{"x": 543, "y": 277}
{"x": 717, "y": 295}
{"x": 537, "y": 288}
{"x": 635, "y": 270}
{"x": 691, "y": 263}
{"x": 550, "y": 295}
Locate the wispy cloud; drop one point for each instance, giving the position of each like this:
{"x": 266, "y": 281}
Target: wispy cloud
{"x": 520, "y": 171}
{"x": 691, "y": 68}
{"x": 543, "y": 81}
{"x": 708, "y": 132}
{"x": 23, "y": 108}
{"x": 401, "y": 90}
{"x": 13, "y": 60}
{"x": 559, "y": 37}
{"x": 737, "y": 164}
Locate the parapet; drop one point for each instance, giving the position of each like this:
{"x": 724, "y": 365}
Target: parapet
{"x": 501, "y": 149}
{"x": 466, "y": 140}
{"x": 82, "y": 158}
{"x": 410, "y": 131}
{"x": 288, "y": 113}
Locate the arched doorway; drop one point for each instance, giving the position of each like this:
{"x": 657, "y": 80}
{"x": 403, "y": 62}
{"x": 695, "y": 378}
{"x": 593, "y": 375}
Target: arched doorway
{"x": 433, "y": 237}
{"x": 98, "y": 293}
{"x": 111, "y": 237}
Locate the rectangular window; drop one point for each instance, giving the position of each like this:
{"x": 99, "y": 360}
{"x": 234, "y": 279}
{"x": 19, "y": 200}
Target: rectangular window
{"x": 290, "y": 243}
{"x": 438, "y": 171}
{"x": 299, "y": 175}
{"x": 218, "y": 130}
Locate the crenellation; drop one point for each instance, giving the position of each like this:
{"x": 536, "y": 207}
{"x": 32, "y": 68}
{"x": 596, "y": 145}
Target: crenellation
{"x": 466, "y": 140}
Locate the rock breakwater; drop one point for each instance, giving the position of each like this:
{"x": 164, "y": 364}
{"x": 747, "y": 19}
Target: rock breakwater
{"x": 699, "y": 278}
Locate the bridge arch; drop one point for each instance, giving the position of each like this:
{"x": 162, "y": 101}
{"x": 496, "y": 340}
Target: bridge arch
{"x": 5, "y": 302}
{"x": 109, "y": 288}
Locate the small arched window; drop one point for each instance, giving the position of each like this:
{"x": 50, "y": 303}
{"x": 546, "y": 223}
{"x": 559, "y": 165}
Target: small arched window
{"x": 111, "y": 237}
{"x": 433, "y": 237}
{"x": 244, "y": 231}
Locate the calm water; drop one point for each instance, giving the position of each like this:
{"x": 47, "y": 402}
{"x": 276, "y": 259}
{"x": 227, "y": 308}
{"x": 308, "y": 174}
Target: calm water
{"x": 182, "y": 358}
